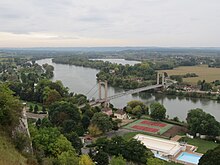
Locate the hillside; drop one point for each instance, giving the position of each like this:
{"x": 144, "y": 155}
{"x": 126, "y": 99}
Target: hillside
{"x": 8, "y": 154}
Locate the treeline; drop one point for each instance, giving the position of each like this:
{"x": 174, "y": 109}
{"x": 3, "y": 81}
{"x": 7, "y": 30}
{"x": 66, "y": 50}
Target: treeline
{"x": 179, "y": 78}
{"x": 215, "y": 63}
{"x": 192, "y": 94}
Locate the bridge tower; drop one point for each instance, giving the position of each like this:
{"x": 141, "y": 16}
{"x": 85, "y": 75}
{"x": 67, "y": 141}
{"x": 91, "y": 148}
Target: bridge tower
{"x": 158, "y": 78}
{"x": 106, "y": 91}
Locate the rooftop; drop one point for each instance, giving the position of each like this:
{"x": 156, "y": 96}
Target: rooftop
{"x": 167, "y": 147}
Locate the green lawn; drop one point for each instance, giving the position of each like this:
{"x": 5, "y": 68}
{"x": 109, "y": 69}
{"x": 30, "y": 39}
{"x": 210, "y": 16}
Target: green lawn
{"x": 33, "y": 104}
{"x": 203, "y": 145}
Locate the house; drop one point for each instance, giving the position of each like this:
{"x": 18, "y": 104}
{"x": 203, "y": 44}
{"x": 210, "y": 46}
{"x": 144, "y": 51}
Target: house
{"x": 120, "y": 114}
{"x": 107, "y": 111}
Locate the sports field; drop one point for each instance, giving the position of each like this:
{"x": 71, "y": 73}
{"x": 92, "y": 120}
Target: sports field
{"x": 203, "y": 71}
{"x": 148, "y": 126}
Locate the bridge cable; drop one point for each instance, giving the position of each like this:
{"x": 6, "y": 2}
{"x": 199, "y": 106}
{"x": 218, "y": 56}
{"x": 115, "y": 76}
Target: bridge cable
{"x": 91, "y": 89}
{"x": 95, "y": 92}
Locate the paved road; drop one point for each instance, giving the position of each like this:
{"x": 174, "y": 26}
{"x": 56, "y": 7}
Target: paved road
{"x": 120, "y": 132}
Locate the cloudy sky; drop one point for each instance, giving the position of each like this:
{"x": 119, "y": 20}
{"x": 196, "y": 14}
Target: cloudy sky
{"x": 74, "y": 23}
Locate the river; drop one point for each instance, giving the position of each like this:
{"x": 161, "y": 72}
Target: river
{"x": 82, "y": 80}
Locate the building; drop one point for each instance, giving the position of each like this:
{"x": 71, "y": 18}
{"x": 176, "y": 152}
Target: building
{"x": 162, "y": 148}
{"x": 120, "y": 114}
{"x": 107, "y": 111}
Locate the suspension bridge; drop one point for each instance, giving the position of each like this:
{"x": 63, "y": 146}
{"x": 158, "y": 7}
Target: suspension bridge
{"x": 106, "y": 99}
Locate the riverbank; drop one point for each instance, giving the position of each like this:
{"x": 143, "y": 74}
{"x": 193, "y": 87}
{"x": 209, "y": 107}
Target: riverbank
{"x": 194, "y": 94}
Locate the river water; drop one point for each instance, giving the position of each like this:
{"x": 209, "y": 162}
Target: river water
{"x": 82, "y": 80}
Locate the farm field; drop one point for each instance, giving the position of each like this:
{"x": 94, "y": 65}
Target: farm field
{"x": 148, "y": 126}
{"x": 203, "y": 71}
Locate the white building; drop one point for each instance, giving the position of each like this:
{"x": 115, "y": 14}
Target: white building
{"x": 120, "y": 114}
{"x": 161, "y": 148}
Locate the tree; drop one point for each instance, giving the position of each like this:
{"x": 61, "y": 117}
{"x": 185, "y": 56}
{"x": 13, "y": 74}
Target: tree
{"x": 61, "y": 145}
{"x": 45, "y": 122}
{"x": 119, "y": 160}
{"x": 31, "y": 108}
{"x": 101, "y": 158}
{"x": 94, "y": 130}
{"x": 50, "y": 141}
{"x": 44, "y": 109}
{"x": 61, "y": 111}
{"x": 203, "y": 123}
{"x": 155, "y": 161}
{"x": 85, "y": 121}
{"x": 211, "y": 157}
{"x": 137, "y": 108}
{"x": 10, "y": 108}
{"x": 36, "y": 109}
{"x": 75, "y": 141}
{"x": 38, "y": 123}
{"x": 115, "y": 126}
{"x": 136, "y": 151}
{"x": 86, "y": 160}
{"x": 68, "y": 158}
{"x": 135, "y": 103}
{"x": 102, "y": 121}
{"x": 52, "y": 97}
{"x": 158, "y": 111}
{"x": 131, "y": 150}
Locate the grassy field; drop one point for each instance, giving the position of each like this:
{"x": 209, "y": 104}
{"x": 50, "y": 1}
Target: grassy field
{"x": 33, "y": 104}
{"x": 8, "y": 154}
{"x": 203, "y": 71}
{"x": 203, "y": 145}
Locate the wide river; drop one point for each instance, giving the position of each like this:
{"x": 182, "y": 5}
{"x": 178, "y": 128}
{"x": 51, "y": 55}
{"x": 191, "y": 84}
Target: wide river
{"x": 82, "y": 80}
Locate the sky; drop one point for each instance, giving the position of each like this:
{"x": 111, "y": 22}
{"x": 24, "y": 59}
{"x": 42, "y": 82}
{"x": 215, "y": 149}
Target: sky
{"x": 89, "y": 23}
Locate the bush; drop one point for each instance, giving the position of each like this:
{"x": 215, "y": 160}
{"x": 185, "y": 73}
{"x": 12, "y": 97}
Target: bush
{"x": 21, "y": 141}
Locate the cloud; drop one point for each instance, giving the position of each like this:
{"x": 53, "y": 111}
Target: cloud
{"x": 146, "y": 22}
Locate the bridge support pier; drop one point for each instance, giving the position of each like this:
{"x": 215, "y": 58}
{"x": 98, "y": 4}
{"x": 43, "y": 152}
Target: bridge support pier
{"x": 159, "y": 75}
{"x": 158, "y": 78}
{"x": 163, "y": 79}
{"x": 106, "y": 91}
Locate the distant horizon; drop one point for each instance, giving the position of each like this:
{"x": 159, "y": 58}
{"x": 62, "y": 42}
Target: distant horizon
{"x": 72, "y": 47}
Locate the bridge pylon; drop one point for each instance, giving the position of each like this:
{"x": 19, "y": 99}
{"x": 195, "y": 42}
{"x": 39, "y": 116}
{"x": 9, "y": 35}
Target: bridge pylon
{"x": 106, "y": 91}
{"x": 160, "y": 75}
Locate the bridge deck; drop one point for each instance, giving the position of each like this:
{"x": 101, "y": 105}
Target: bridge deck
{"x": 94, "y": 103}
{"x": 135, "y": 91}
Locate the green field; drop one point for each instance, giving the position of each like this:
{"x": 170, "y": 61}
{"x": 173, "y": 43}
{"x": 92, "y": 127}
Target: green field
{"x": 8, "y": 154}
{"x": 203, "y": 145}
{"x": 203, "y": 71}
{"x": 137, "y": 122}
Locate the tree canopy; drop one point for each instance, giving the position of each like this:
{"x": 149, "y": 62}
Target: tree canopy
{"x": 203, "y": 123}
{"x": 211, "y": 157}
{"x": 102, "y": 121}
{"x": 158, "y": 111}
{"x": 10, "y": 108}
